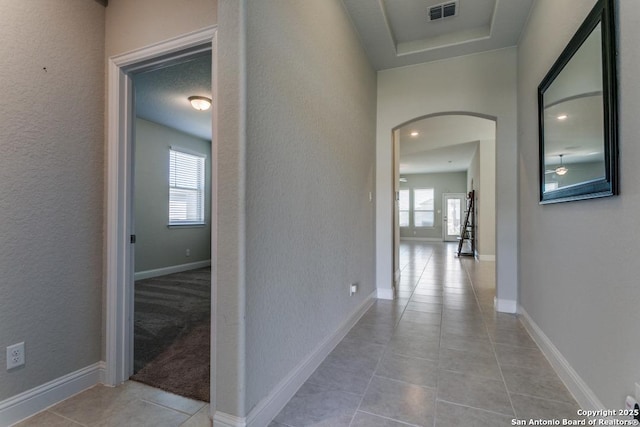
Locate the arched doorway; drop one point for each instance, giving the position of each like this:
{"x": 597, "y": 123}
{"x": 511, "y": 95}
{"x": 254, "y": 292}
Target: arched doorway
{"x": 437, "y": 160}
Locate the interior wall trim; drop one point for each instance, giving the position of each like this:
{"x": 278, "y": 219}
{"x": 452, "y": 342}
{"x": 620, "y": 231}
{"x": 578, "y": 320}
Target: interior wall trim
{"x": 384, "y": 294}
{"x": 223, "y": 419}
{"x": 39, "y": 398}
{"x": 119, "y": 269}
{"x": 156, "y": 272}
{"x": 505, "y": 305}
{"x": 264, "y": 412}
{"x": 421, "y": 239}
{"x": 583, "y": 394}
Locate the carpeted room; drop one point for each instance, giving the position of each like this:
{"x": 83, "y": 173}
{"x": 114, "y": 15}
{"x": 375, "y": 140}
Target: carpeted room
{"x": 172, "y": 170}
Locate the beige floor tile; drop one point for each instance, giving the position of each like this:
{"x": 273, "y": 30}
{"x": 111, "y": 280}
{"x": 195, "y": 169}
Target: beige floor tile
{"x": 140, "y": 413}
{"x": 48, "y": 419}
{"x": 200, "y": 419}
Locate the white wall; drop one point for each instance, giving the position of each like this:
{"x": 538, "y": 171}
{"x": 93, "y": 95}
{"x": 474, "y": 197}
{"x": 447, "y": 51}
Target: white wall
{"x": 486, "y": 199}
{"x": 578, "y": 260}
{"x": 51, "y": 133}
{"x": 158, "y": 246}
{"x": 483, "y": 84}
{"x": 305, "y": 149}
{"x": 481, "y": 177}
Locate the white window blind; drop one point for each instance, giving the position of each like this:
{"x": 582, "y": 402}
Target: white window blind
{"x": 404, "y": 208}
{"x": 423, "y": 206}
{"x": 186, "y": 188}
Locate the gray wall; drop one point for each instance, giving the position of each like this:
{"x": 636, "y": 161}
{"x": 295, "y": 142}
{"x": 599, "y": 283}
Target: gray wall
{"x": 454, "y": 182}
{"x": 300, "y": 177}
{"x": 578, "y": 261}
{"x": 158, "y": 246}
{"x": 311, "y": 98}
{"x": 51, "y": 187}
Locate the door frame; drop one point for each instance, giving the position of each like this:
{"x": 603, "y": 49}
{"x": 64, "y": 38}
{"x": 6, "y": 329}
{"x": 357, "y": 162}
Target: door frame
{"x": 119, "y": 176}
{"x": 462, "y": 197}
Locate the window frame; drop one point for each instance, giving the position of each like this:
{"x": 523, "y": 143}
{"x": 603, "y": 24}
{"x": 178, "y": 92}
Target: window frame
{"x": 200, "y": 189}
{"x": 408, "y": 211}
{"x": 433, "y": 210}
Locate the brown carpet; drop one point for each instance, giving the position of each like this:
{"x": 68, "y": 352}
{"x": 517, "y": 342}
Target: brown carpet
{"x": 183, "y": 368}
{"x": 171, "y": 333}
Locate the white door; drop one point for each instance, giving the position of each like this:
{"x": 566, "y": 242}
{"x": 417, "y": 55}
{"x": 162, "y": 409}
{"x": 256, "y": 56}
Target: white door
{"x": 453, "y": 207}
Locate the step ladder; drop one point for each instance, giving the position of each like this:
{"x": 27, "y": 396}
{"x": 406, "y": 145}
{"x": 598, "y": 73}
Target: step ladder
{"x": 467, "y": 231}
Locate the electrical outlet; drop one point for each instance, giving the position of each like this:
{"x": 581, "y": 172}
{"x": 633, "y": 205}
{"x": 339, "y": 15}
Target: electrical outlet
{"x": 188, "y": 252}
{"x": 15, "y": 355}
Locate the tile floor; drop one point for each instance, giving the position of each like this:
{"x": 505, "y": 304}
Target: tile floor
{"x": 438, "y": 356}
{"x": 131, "y": 404}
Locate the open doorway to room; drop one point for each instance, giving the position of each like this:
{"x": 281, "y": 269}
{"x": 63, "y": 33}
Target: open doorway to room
{"x": 172, "y": 222}
{"x": 438, "y": 161}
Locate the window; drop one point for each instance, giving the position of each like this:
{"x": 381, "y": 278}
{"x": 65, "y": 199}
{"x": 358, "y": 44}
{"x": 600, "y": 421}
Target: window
{"x": 404, "y": 207}
{"x": 186, "y": 188}
{"x": 423, "y": 207}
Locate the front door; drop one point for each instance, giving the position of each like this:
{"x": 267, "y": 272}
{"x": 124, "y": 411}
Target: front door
{"x": 454, "y": 206}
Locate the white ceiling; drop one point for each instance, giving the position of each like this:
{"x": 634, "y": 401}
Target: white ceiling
{"x": 396, "y": 33}
{"x": 444, "y": 144}
{"x": 162, "y": 96}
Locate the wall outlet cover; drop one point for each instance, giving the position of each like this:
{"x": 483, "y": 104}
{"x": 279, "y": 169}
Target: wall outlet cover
{"x": 15, "y": 355}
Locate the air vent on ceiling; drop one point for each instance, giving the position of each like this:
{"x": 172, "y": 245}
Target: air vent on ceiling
{"x": 443, "y": 10}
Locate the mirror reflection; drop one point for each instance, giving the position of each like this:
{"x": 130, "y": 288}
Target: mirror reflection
{"x": 573, "y": 120}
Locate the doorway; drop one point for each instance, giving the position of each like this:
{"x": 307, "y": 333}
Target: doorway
{"x": 453, "y": 205}
{"x": 172, "y": 217}
{"x": 438, "y": 159}
{"x": 120, "y": 232}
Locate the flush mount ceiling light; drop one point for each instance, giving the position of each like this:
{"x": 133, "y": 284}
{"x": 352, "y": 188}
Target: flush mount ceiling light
{"x": 561, "y": 170}
{"x": 415, "y": 133}
{"x": 562, "y": 117}
{"x": 200, "y": 103}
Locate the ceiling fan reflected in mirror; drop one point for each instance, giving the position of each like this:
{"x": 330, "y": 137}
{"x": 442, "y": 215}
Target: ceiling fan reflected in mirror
{"x": 560, "y": 170}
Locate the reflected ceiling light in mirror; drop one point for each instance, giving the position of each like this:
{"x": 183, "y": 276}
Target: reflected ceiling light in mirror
{"x": 561, "y": 170}
{"x": 415, "y": 133}
{"x": 200, "y": 103}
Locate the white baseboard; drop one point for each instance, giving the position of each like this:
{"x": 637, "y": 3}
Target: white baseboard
{"x": 505, "y": 305}
{"x": 576, "y": 385}
{"x": 421, "y": 239}
{"x": 384, "y": 294}
{"x": 262, "y": 414}
{"x": 220, "y": 419}
{"x": 37, "y": 399}
{"x": 172, "y": 269}
{"x": 486, "y": 257}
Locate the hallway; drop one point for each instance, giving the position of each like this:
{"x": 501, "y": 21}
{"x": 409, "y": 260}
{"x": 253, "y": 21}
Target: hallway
{"x": 437, "y": 356}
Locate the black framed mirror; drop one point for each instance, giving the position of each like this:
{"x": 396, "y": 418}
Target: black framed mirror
{"x": 577, "y": 114}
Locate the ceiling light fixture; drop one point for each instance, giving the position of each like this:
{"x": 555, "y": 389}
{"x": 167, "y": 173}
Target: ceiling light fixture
{"x": 562, "y": 117}
{"x": 200, "y": 103}
{"x": 415, "y": 133}
{"x": 561, "y": 170}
